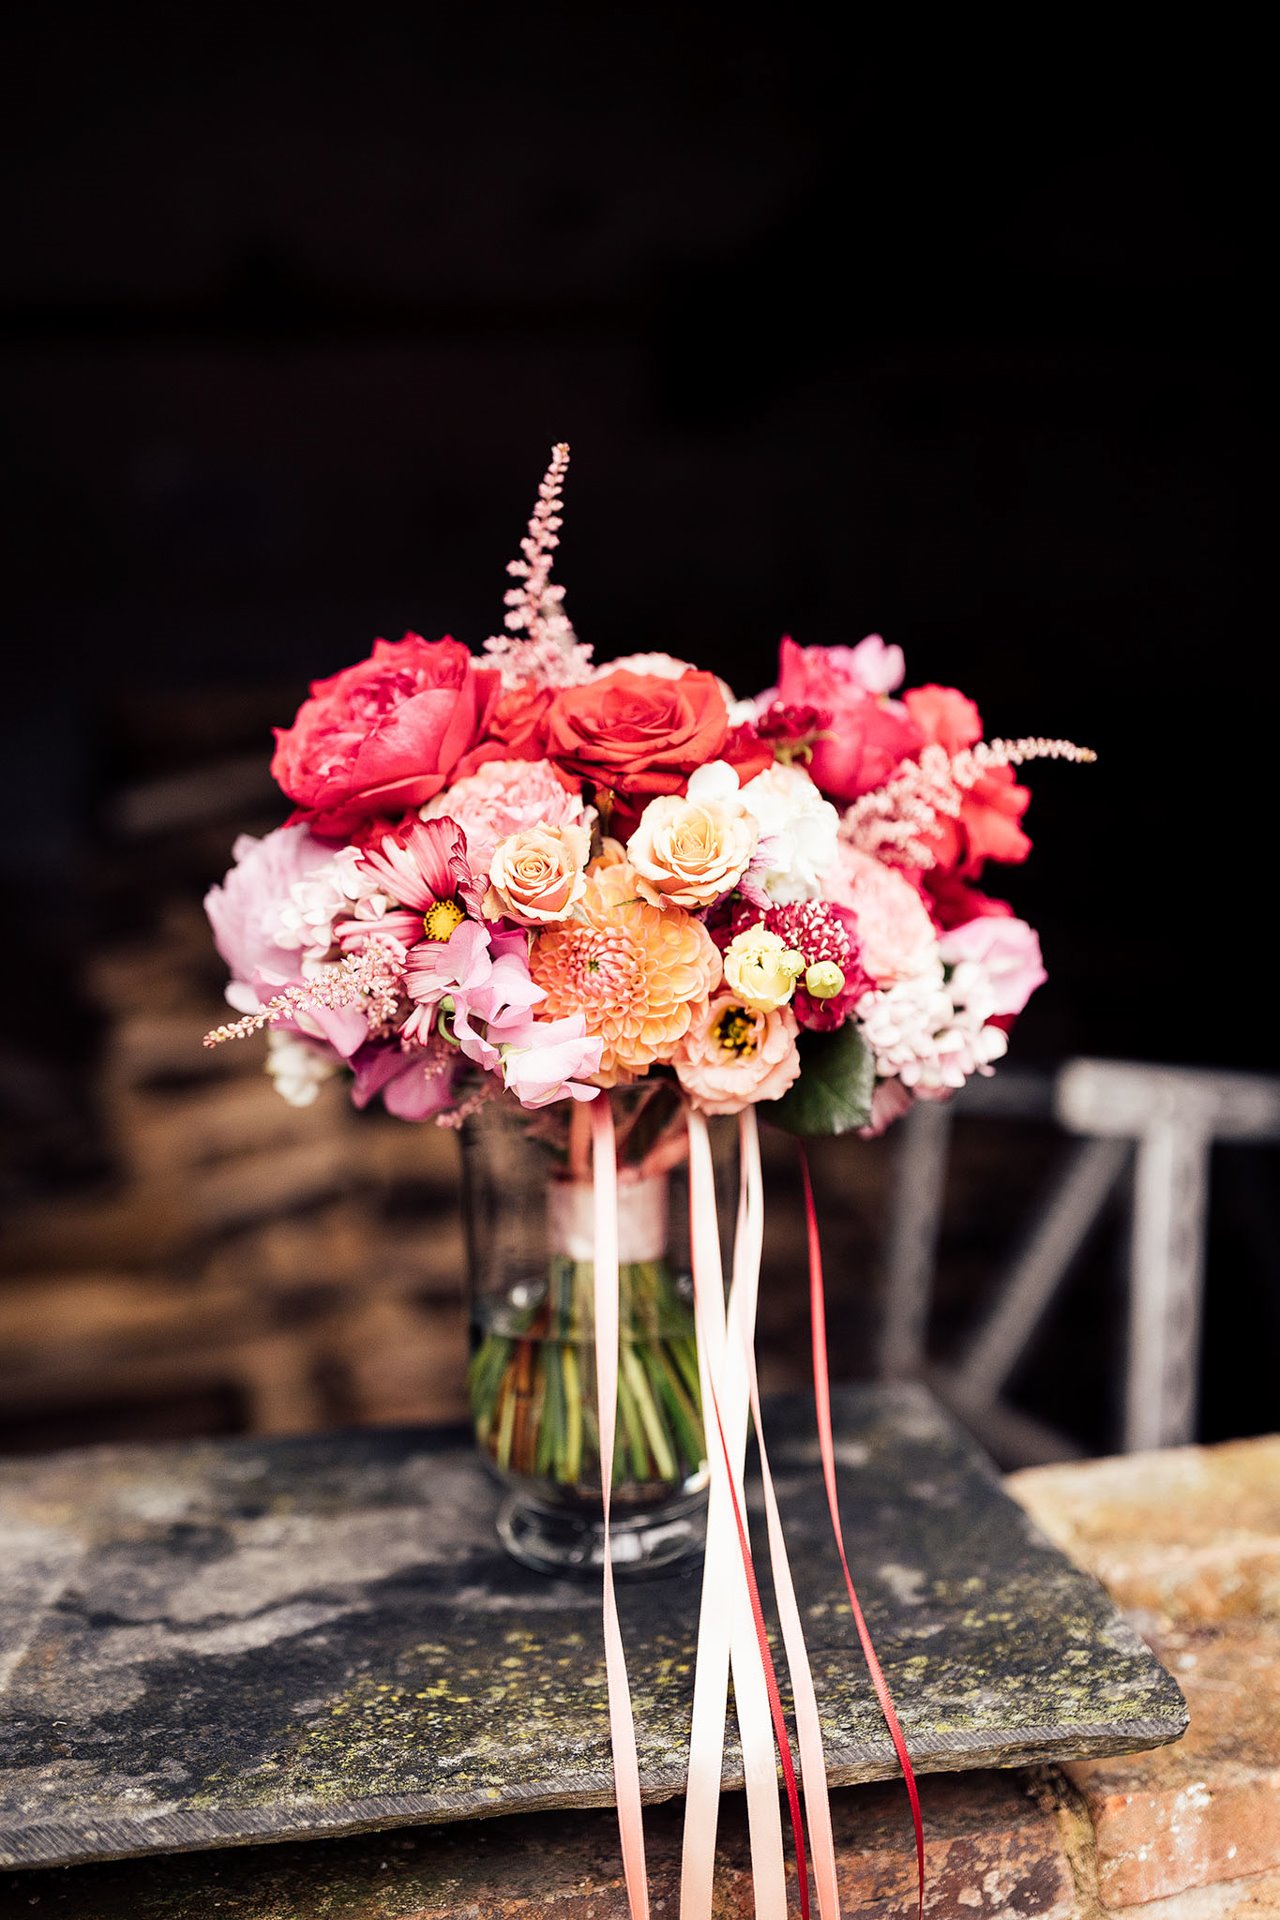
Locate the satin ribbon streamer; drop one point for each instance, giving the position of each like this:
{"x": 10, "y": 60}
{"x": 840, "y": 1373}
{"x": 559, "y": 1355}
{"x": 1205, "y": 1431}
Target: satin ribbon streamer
{"x": 726, "y": 1622}
{"x": 826, "y": 1447}
{"x": 731, "y": 1622}
{"x": 622, "y": 1731}
{"x": 813, "y": 1765}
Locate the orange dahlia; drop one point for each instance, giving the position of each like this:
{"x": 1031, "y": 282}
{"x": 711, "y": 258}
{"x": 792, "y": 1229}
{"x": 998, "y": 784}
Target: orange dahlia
{"x": 638, "y": 973}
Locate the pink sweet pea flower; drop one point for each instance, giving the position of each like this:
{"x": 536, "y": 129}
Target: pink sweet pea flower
{"x": 415, "y": 1083}
{"x": 501, "y": 1003}
{"x": 547, "y": 1060}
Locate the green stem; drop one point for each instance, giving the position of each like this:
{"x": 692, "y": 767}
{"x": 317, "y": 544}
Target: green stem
{"x": 634, "y": 1428}
{"x": 650, "y": 1416}
{"x": 573, "y": 1416}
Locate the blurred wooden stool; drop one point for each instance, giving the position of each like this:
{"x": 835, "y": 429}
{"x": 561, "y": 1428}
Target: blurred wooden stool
{"x": 1149, "y": 1128}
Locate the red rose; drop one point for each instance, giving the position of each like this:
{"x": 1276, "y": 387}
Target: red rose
{"x": 519, "y": 723}
{"x": 988, "y": 827}
{"x": 383, "y": 736}
{"x": 638, "y": 734}
{"x": 867, "y": 734}
{"x": 954, "y": 903}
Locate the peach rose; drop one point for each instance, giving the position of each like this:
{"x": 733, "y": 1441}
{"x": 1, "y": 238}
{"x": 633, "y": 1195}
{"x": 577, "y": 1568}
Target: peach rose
{"x": 733, "y": 1055}
{"x": 536, "y": 875}
{"x": 690, "y": 849}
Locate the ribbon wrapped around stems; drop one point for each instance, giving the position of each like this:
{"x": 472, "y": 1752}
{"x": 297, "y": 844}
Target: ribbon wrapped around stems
{"x": 732, "y": 1630}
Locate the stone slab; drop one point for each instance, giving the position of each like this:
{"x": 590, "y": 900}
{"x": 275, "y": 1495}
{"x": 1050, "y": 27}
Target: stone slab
{"x": 224, "y": 1642}
{"x": 992, "y": 1852}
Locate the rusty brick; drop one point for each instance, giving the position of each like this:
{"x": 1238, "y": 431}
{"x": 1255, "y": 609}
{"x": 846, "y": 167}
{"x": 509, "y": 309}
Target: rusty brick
{"x": 1189, "y": 1542}
{"x": 1189, "y": 1534}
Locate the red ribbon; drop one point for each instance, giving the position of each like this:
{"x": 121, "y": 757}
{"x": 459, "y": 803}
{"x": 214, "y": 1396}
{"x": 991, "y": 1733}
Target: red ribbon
{"x": 826, "y": 1446}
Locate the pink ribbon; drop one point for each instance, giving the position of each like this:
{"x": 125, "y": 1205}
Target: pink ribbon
{"x": 813, "y": 1764}
{"x": 826, "y": 1447}
{"x": 622, "y": 1730}
{"x": 726, "y": 1623}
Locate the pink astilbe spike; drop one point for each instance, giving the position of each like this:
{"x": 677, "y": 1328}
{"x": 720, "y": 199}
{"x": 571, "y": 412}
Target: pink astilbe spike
{"x": 893, "y": 822}
{"x": 372, "y": 979}
{"x": 540, "y": 646}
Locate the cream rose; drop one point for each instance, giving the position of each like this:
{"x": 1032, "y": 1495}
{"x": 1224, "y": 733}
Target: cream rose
{"x": 536, "y": 876}
{"x": 690, "y": 849}
{"x": 762, "y": 969}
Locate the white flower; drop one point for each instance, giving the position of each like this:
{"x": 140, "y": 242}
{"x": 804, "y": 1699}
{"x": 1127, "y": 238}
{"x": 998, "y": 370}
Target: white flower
{"x": 798, "y": 832}
{"x": 298, "y": 1068}
{"x": 332, "y": 892}
{"x": 932, "y": 1033}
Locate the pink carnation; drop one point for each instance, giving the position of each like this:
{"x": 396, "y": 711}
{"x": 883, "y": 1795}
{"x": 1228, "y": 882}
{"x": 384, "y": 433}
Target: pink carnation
{"x": 257, "y": 930}
{"x": 504, "y": 797}
{"x": 250, "y": 915}
{"x": 896, "y": 936}
{"x": 734, "y": 1056}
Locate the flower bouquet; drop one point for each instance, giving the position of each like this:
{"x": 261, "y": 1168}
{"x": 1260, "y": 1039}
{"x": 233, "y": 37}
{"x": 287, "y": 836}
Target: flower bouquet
{"x": 617, "y": 899}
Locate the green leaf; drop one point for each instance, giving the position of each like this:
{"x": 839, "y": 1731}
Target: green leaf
{"x": 833, "y": 1093}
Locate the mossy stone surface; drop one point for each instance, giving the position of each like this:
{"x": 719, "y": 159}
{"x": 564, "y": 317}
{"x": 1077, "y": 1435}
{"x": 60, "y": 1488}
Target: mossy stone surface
{"x": 227, "y": 1642}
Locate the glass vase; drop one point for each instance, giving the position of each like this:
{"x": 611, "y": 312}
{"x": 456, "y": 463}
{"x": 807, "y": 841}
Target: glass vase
{"x": 528, "y": 1199}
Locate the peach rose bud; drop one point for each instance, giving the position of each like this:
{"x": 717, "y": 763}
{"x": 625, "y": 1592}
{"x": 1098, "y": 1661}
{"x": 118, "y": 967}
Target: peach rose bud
{"x": 536, "y": 876}
{"x": 690, "y": 849}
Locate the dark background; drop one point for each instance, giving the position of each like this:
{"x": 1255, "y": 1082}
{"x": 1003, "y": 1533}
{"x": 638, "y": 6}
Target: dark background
{"x": 958, "y": 346}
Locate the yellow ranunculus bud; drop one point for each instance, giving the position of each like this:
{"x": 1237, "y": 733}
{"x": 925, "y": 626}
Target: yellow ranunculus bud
{"x": 762, "y": 969}
{"x": 824, "y": 979}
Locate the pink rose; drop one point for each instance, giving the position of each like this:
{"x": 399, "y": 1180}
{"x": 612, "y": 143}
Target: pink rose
{"x": 733, "y": 1055}
{"x": 385, "y": 735}
{"x": 1008, "y": 952}
{"x": 868, "y": 734}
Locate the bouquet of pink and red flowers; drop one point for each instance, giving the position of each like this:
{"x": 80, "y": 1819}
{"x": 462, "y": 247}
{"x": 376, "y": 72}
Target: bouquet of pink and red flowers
{"x": 522, "y": 872}
{"x": 526, "y": 872}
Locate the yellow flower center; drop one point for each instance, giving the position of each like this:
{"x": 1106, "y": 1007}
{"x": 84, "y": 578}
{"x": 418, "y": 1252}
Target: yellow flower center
{"x": 735, "y": 1032}
{"x": 442, "y": 918}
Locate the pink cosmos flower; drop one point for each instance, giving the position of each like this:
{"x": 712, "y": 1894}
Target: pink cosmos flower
{"x": 1008, "y": 953}
{"x": 424, "y": 870}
